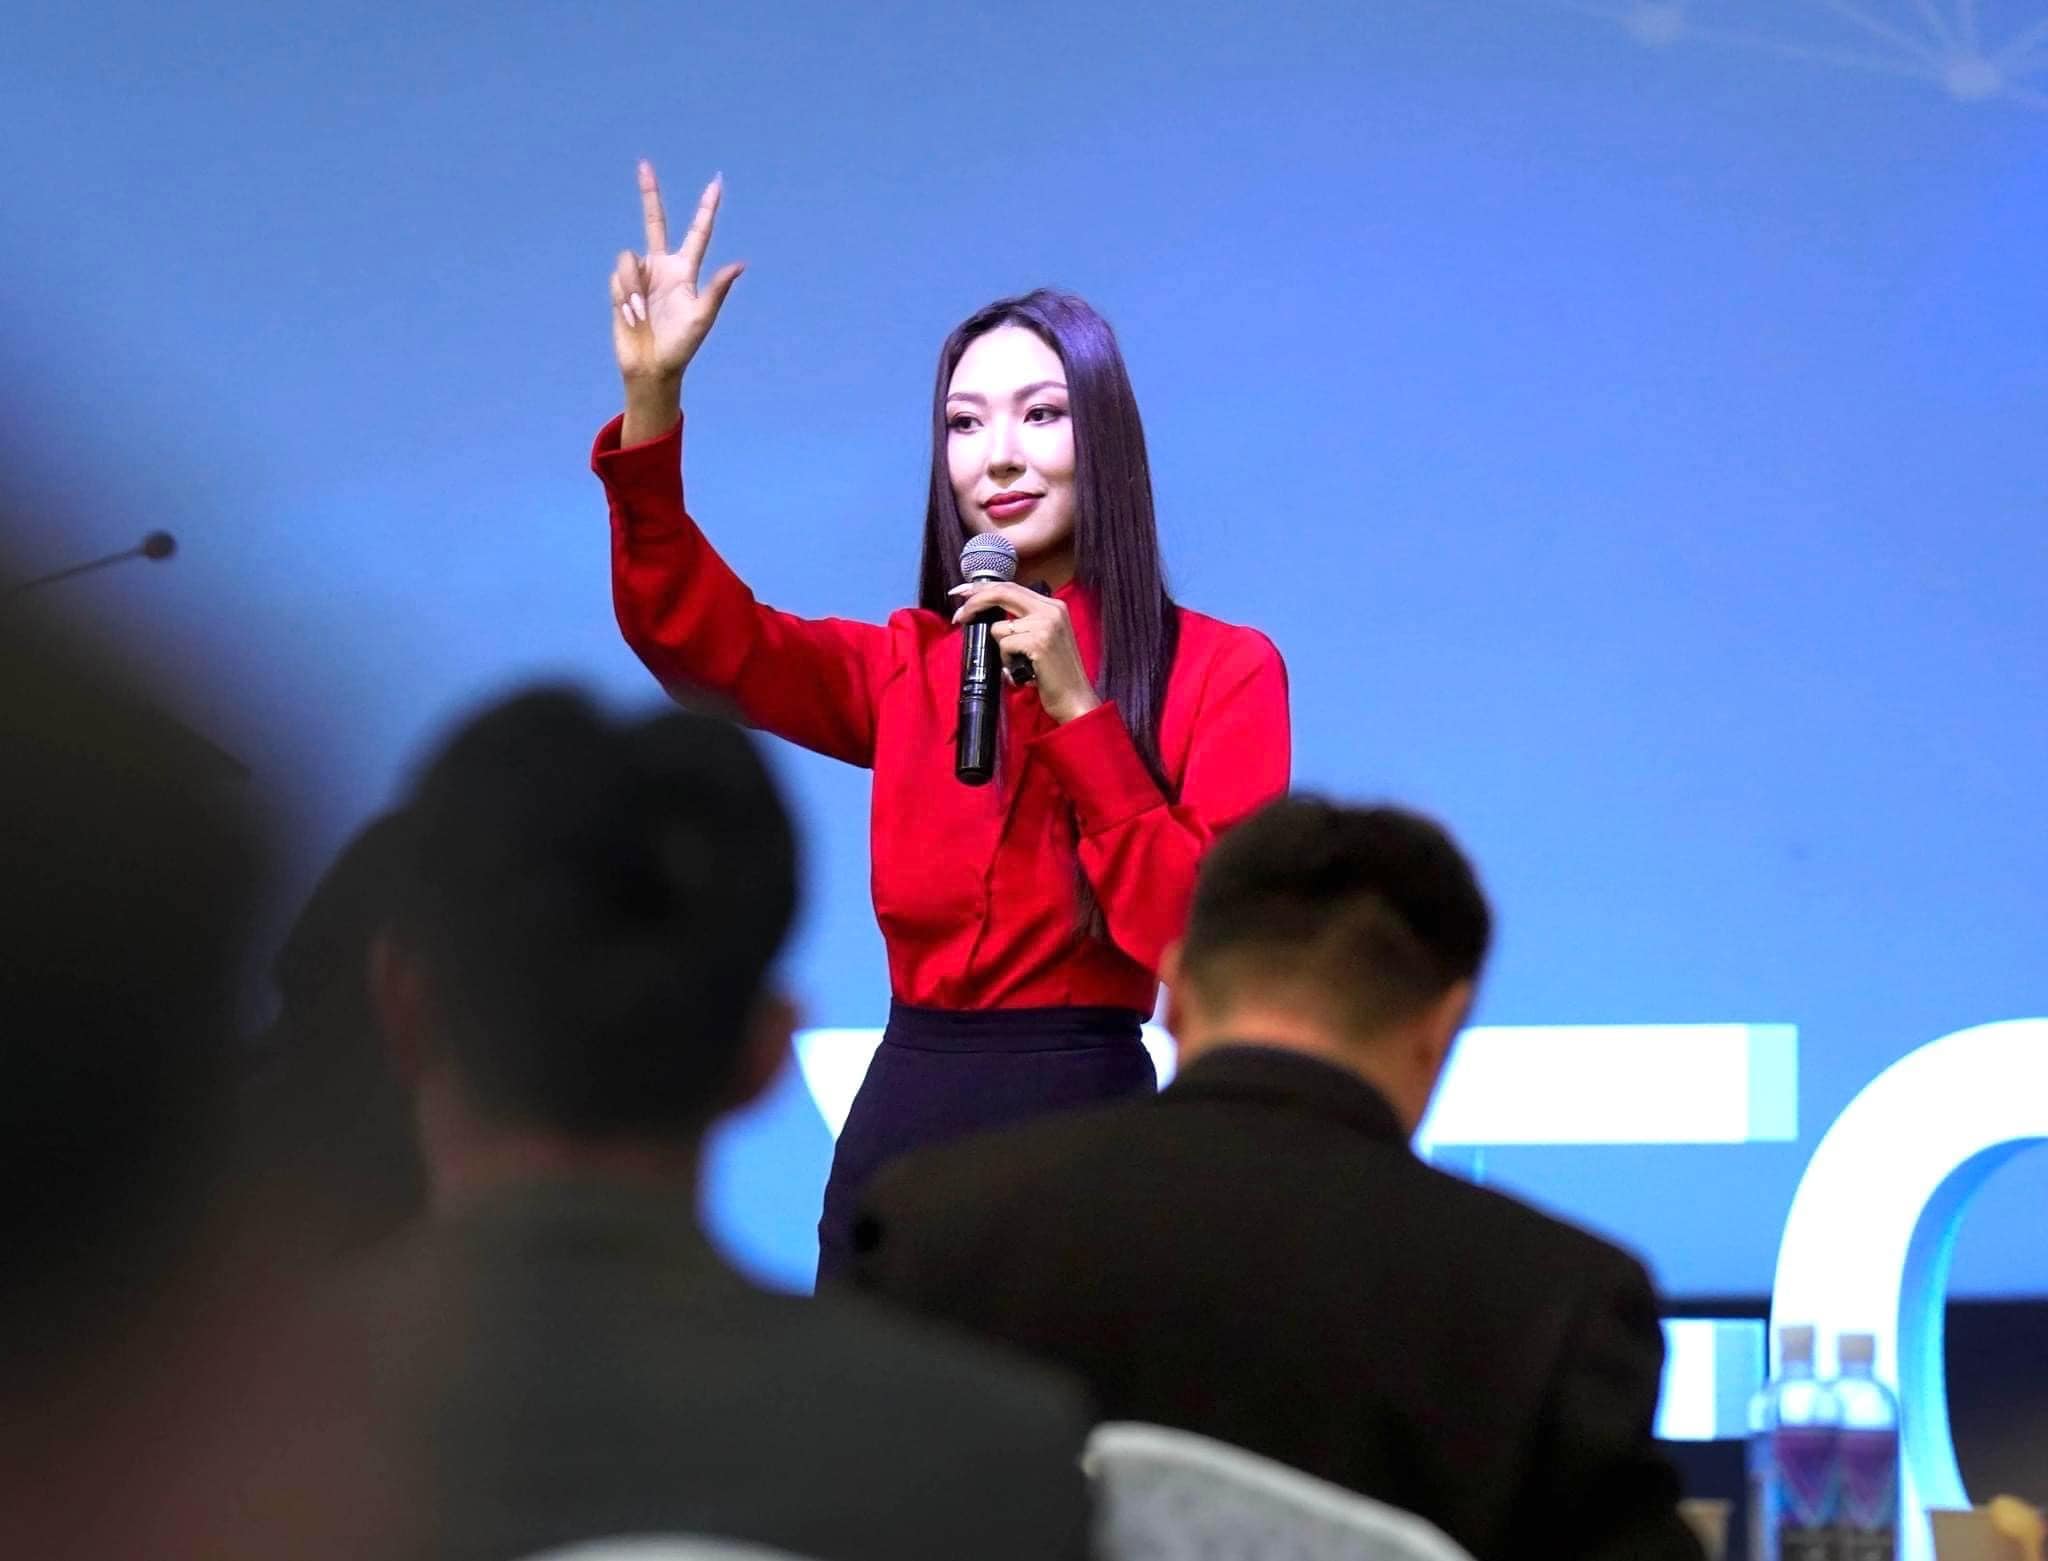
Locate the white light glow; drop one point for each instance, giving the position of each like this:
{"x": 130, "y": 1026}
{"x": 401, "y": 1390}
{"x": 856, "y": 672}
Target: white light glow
{"x": 1518, "y": 1084}
{"x": 1712, "y": 1366}
{"x": 1617, "y": 1084}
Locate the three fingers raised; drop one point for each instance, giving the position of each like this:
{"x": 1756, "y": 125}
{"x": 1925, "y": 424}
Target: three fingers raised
{"x": 664, "y": 283}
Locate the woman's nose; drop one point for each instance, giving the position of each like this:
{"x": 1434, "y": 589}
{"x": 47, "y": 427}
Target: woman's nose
{"x": 1003, "y": 454}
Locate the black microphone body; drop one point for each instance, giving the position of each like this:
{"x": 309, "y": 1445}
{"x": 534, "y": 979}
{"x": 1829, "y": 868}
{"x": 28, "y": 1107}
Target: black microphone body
{"x": 981, "y": 700}
{"x": 987, "y": 559}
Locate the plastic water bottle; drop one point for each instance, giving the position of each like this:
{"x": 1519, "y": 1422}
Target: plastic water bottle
{"x": 1866, "y": 1456}
{"x": 1793, "y": 1423}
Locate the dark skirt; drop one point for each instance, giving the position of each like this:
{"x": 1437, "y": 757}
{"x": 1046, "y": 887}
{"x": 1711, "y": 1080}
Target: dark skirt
{"x": 940, "y": 1074}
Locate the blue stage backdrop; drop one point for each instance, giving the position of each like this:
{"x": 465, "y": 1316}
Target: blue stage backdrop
{"x": 1627, "y": 418}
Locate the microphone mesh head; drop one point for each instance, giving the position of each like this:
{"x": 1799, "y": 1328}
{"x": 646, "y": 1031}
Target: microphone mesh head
{"x": 989, "y": 556}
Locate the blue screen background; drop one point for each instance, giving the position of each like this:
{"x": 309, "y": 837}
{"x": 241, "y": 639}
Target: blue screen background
{"x": 1634, "y": 446}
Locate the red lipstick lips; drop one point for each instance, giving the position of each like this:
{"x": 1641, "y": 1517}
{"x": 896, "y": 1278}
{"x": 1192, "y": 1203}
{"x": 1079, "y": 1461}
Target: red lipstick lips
{"x": 1008, "y": 506}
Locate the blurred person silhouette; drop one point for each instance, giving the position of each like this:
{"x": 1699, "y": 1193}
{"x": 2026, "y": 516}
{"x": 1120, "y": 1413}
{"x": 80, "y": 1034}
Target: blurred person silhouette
{"x": 153, "y": 1361}
{"x": 577, "y": 983}
{"x": 326, "y": 1120}
{"x": 1258, "y": 1256}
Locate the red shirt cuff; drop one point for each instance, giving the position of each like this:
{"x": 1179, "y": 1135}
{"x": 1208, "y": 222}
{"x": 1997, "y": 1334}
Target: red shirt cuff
{"x": 1097, "y": 766}
{"x": 645, "y": 479}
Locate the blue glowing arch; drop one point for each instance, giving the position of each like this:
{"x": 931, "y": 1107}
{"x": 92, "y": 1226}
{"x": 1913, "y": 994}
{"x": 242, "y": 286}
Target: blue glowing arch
{"x": 1874, "y": 1221}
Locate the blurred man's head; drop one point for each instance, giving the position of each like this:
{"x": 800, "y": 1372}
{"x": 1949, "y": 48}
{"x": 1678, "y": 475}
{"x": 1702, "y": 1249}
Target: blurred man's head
{"x": 130, "y": 868}
{"x": 1355, "y": 934}
{"x": 322, "y": 970}
{"x": 577, "y": 975}
{"x": 325, "y": 1117}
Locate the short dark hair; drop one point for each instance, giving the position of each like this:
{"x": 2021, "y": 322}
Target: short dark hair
{"x": 1372, "y": 911}
{"x": 596, "y": 904}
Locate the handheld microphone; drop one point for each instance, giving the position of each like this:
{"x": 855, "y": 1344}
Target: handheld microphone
{"x": 989, "y": 557}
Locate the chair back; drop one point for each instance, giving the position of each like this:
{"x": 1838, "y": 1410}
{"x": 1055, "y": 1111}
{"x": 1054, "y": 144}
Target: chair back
{"x": 1168, "y": 1495}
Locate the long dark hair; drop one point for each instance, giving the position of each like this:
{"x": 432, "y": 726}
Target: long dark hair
{"x": 1116, "y": 539}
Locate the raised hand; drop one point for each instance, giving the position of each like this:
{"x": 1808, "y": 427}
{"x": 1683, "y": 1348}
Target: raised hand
{"x": 660, "y": 312}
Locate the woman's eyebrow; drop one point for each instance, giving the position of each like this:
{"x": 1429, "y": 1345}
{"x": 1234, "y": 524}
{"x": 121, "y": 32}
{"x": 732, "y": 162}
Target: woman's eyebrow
{"x": 1021, "y": 392}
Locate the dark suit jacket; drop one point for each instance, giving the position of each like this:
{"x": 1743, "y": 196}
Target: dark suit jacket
{"x": 573, "y": 1361}
{"x": 1256, "y": 1255}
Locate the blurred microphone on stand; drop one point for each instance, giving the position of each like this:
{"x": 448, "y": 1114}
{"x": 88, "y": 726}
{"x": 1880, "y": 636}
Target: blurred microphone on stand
{"x": 157, "y": 546}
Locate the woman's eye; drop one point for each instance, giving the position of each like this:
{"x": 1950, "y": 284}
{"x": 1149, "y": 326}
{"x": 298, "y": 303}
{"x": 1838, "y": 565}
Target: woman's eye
{"x": 960, "y": 423}
{"x": 1044, "y": 414}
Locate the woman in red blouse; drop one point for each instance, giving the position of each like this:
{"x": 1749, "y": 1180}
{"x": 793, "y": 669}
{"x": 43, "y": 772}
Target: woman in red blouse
{"x": 1024, "y": 920}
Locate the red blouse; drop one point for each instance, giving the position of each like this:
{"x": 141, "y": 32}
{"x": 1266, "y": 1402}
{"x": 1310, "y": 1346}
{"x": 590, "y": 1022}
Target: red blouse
{"x": 975, "y": 887}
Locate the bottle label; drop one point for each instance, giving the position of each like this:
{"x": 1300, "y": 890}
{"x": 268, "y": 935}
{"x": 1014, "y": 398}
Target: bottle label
{"x": 1805, "y": 1542}
{"x": 1869, "y": 1465}
{"x": 1865, "y": 1544}
{"x": 1792, "y": 1486}
{"x": 1803, "y": 1458}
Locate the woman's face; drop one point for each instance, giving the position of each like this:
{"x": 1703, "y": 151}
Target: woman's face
{"x": 1010, "y": 448}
